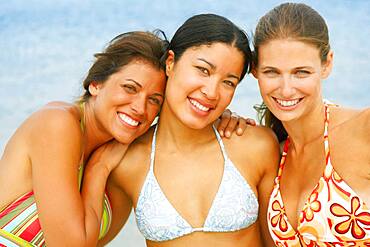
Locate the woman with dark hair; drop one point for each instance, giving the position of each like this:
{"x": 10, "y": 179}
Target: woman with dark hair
{"x": 321, "y": 194}
{"x": 42, "y": 165}
{"x": 188, "y": 186}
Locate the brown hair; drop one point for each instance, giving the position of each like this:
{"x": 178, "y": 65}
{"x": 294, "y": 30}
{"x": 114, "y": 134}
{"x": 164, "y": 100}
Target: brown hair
{"x": 289, "y": 20}
{"x": 122, "y": 50}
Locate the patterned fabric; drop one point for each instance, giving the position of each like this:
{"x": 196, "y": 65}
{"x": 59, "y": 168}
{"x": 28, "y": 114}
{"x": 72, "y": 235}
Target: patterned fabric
{"x": 333, "y": 214}
{"x": 235, "y": 205}
{"x": 19, "y": 221}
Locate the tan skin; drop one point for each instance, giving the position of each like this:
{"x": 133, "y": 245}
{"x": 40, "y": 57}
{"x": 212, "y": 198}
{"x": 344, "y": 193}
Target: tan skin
{"x": 50, "y": 167}
{"x": 188, "y": 138}
{"x": 291, "y": 69}
{"x": 47, "y": 149}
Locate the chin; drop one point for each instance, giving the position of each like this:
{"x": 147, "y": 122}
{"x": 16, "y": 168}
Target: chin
{"x": 125, "y": 139}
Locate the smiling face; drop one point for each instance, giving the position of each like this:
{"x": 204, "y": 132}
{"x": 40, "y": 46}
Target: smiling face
{"x": 289, "y": 74}
{"x": 126, "y": 104}
{"x": 202, "y": 82}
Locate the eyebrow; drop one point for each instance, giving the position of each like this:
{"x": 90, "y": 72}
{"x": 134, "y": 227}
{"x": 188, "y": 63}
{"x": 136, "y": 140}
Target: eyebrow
{"x": 132, "y": 80}
{"x": 209, "y": 63}
{"x": 214, "y": 67}
{"x": 299, "y": 67}
{"x": 139, "y": 85}
{"x": 158, "y": 94}
{"x": 304, "y": 67}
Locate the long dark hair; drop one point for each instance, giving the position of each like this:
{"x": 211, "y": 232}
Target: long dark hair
{"x": 205, "y": 29}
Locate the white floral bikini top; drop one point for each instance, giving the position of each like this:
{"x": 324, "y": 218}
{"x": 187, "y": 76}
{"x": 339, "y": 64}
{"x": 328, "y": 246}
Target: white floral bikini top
{"x": 234, "y": 207}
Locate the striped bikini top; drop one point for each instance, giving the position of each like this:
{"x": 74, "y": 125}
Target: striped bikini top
{"x": 333, "y": 214}
{"x": 234, "y": 207}
{"x": 20, "y": 225}
{"x": 19, "y": 221}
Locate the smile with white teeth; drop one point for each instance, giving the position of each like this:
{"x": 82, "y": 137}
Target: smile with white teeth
{"x": 125, "y": 118}
{"x": 287, "y": 103}
{"x": 198, "y": 105}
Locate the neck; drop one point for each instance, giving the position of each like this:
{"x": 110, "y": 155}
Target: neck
{"x": 178, "y": 136}
{"x": 306, "y": 129}
{"x": 94, "y": 134}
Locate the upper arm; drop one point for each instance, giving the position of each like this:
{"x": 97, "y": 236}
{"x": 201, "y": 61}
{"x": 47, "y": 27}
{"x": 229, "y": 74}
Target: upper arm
{"x": 268, "y": 162}
{"x": 54, "y": 152}
{"x": 121, "y": 208}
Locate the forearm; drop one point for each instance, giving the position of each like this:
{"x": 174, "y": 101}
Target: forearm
{"x": 93, "y": 189}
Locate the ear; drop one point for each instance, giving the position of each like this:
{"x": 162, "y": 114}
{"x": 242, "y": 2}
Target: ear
{"x": 94, "y": 88}
{"x": 254, "y": 69}
{"x": 170, "y": 61}
{"x": 328, "y": 65}
{"x": 254, "y": 72}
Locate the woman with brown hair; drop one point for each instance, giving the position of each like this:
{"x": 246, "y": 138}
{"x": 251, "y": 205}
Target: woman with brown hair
{"x": 43, "y": 162}
{"x": 321, "y": 194}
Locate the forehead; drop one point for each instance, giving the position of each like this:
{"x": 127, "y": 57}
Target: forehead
{"x": 219, "y": 47}
{"x": 219, "y": 54}
{"x": 288, "y": 52}
{"x": 143, "y": 72}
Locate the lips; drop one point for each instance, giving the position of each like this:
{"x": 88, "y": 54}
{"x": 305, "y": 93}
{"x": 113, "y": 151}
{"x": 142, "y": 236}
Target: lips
{"x": 199, "y": 106}
{"x": 287, "y": 103}
{"x": 128, "y": 120}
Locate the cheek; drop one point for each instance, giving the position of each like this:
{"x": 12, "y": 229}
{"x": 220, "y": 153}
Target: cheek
{"x": 152, "y": 112}
{"x": 226, "y": 98}
{"x": 264, "y": 86}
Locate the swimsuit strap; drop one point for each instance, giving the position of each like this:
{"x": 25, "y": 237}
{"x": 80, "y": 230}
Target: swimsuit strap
{"x": 326, "y": 135}
{"x": 152, "y": 152}
{"x": 81, "y": 167}
{"x": 283, "y": 158}
{"x": 222, "y": 146}
{"x": 81, "y": 105}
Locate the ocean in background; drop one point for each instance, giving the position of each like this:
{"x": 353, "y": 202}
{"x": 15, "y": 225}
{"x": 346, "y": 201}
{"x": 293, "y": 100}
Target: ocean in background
{"x": 46, "y": 48}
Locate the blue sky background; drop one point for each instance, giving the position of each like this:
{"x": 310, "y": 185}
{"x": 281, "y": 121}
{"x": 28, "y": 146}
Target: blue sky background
{"x": 47, "y": 47}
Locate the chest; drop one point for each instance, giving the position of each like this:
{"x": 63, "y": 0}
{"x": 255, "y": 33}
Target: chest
{"x": 304, "y": 175}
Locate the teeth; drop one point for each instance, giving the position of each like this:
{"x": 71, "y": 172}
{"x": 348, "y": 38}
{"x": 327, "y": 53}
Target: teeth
{"x": 128, "y": 120}
{"x": 287, "y": 102}
{"x": 199, "y": 106}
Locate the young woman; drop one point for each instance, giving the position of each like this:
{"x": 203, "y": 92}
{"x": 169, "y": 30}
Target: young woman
{"x": 188, "y": 186}
{"x": 42, "y": 165}
{"x": 321, "y": 194}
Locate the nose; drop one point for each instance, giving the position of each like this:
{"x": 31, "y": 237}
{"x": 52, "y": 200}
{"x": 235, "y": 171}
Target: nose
{"x": 287, "y": 89}
{"x": 138, "y": 105}
{"x": 210, "y": 89}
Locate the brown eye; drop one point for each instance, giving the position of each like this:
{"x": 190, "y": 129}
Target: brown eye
{"x": 203, "y": 70}
{"x": 269, "y": 72}
{"x": 129, "y": 88}
{"x": 155, "y": 101}
{"x": 230, "y": 83}
{"x": 302, "y": 73}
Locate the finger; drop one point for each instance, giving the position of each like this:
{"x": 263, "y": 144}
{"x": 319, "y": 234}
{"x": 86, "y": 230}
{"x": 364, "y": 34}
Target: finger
{"x": 242, "y": 125}
{"x": 231, "y": 126}
{"x": 251, "y": 121}
{"x": 224, "y": 121}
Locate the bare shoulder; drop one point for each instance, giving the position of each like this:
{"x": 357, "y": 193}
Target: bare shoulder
{"x": 59, "y": 116}
{"x": 257, "y": 147}
{"x": 357, "y": 120}
{"x": 257, "y": 138}
{"x": 54, "y": 123}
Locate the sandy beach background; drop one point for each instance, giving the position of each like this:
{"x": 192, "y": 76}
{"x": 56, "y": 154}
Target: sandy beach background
{"x": 46, "y": 47}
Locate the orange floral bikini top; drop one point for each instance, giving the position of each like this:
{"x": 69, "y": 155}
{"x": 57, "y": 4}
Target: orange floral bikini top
{"x": 333, "y": 214}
